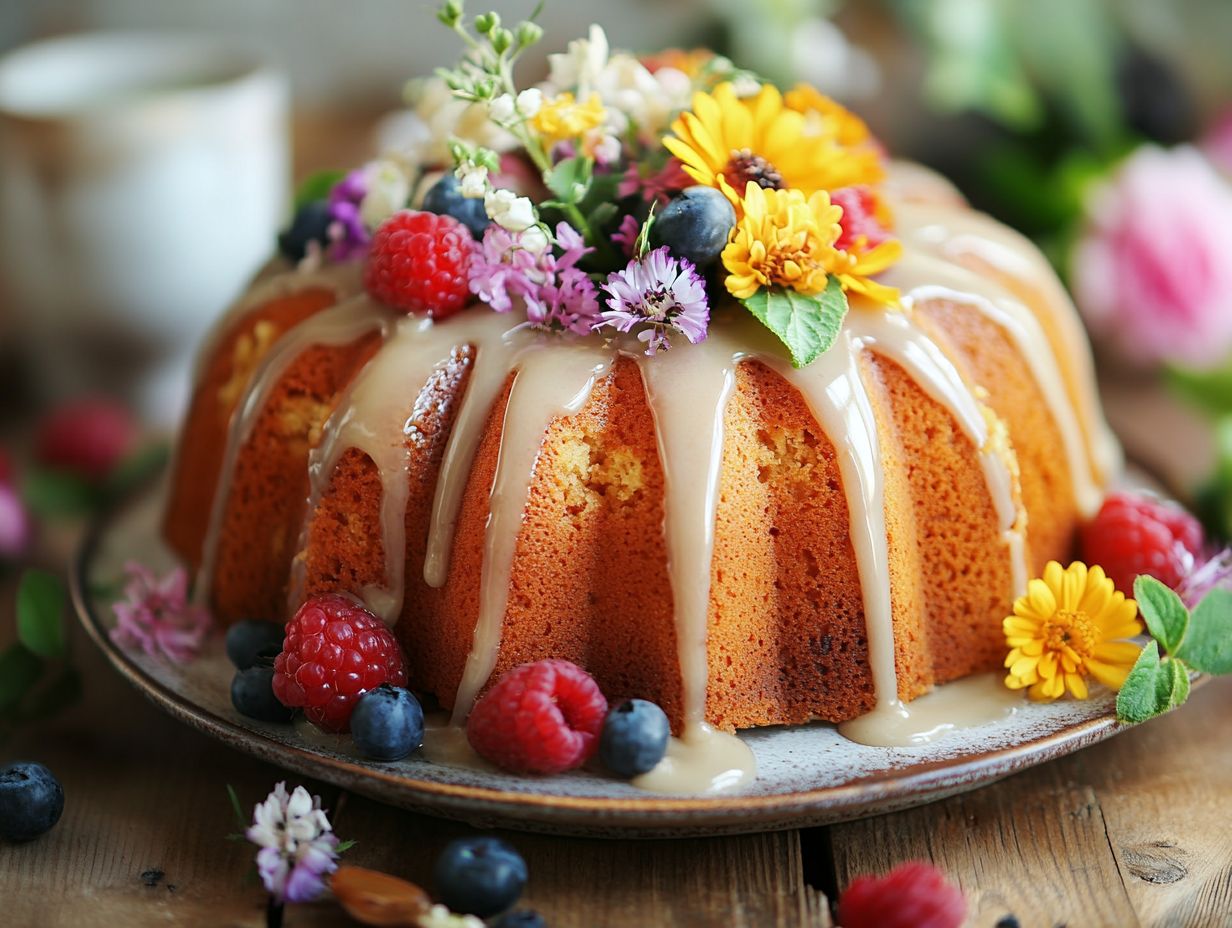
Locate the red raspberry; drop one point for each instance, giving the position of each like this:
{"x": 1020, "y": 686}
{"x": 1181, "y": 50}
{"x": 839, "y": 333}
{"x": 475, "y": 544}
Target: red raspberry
{"x": 419, "y": 263}
{"x": 539, "y": 718}
{"x": 334, "y": 652}
{"x": 912, "y": 895}
{"x": 87, "y": 437}
{"x": 1135, "y": 534}
{"x": 858, "y": 217}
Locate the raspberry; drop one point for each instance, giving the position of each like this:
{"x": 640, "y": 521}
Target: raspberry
{"x": 539, "y": 718}
{"x": 418, "y": 263}
{"x": 858, "y": 219}
{"x": 87, "y": 437}
{"x": 1134, "y": 535}
{"x": 912, "y": 895}
{"x": 335, "y": 650}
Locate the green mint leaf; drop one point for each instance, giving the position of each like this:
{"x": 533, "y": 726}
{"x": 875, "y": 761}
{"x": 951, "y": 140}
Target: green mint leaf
{"x": 1208, "y": 646}
{"x": 1153, "y": 687}
{"x": 40, "y": 613}
{"x": 51, "y": 493}
{"x": 570, "y": 180}
{"x": 136, "y": 469}
{"x": 1165, "y": 615}
{"x": 316, "y": 187}
{"x": 20, "y": 669}
{"x": 1210, "y": 390}
{"x": 345, "y": 845}
{"x": 807, "y": 325}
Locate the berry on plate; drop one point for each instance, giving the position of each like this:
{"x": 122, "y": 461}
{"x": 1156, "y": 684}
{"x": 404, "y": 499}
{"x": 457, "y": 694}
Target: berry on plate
{"x": 250, "y": 641}
{"x": 310, "y": 224}
{"x": 1135, "y": 534}
{"x": 445, "y": 198}
{"x": 418, "y": 263}
{"x": 543, "y": 717}
{"x": 634, "y": 737}
{"x": 479, "y": 876}
{"x": 695, "y": 225}
{"x": 252, "y": 694}
{"x": 86, "y": 437}
{"x": 335, "y": 651}
{"x": 387, "y": 723}
{"x": 912, "y": 895}
{"x": 31, "y": 801}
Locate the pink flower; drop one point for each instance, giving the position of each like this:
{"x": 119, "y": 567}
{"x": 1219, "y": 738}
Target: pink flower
{"x": 1153, "y": 271}
{"x": 570, "y": 304}
{"x": 626, "y": 235}
{"x": 655, "y": 294}
{"x": 660, "y": 186}
{"x": 298, "y": 845}
{"x": 157, "y": 616}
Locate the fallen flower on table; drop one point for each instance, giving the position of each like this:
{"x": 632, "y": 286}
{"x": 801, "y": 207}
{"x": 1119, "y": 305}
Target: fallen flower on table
{"x": 157, "y": 617}
{"x": 912, "y": 895}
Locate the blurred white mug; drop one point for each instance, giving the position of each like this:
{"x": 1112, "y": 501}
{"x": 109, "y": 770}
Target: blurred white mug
{"x": 142, "y": 181}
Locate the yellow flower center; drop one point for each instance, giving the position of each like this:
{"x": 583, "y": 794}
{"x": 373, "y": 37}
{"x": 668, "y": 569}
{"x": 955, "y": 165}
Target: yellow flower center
{"x": 744, "y": 166}
{"x": 1072, "y": 629}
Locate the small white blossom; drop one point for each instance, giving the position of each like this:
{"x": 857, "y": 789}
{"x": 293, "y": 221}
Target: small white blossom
{"x": 298, "y": 846}
{"x": 582, "y": 64}
{"x": 440, "y": 917}
{"x": 388, "y": 190}
{"x": 530, "y": 102}
{"x": 509, "y": 211}
{"x": 534, "y": 240}
{"x": 473, "y": 180}
{"x": 501, "y": 108}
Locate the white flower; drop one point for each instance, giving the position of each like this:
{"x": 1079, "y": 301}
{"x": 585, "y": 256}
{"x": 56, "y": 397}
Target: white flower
{"x": 580, "y": 66}
{"x": 501, "y": 108}
{"x": 530, "y": 102}
{"x": 439, "y": 115}
{"x": 298, "y": 847}
{"x": 473, "y": 180}
{"x": 534, "y": 240}
{"x": 388, "y": 190}
{"x": 509, "y": 211}
{"x": 745, "y": 85}
{"x": 440, "y": 917}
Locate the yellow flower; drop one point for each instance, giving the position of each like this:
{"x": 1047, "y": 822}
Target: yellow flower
{"x": 562, "y": 117}
{"x": 726, "y": 142}
{"x": 828, "y": 119}
{"x": 1070, "y": 625}
{"x": 784, "y": 239}
{"x": 856, "y": 266}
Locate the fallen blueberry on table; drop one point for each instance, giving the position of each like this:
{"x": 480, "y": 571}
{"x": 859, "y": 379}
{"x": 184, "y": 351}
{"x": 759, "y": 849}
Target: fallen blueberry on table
{"x": 31, "y": 801}
{"x": 479, "y": 876}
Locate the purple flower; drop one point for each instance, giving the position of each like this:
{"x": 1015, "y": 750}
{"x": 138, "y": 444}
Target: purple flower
{"x": 659, "y": 293}
{"x": 349, "y": 236}
{"x": 157, "y": 616}
{"x": 1215, "y": 573}
{"x": 298, "y": 846}
{"x": 569, "y": 304}
{"x": 626, "y": 235}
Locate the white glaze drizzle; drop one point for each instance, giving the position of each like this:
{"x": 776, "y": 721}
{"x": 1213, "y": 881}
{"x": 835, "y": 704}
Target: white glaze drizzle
{"x": 548, "y": 384}
{"x": 336, "y": 326}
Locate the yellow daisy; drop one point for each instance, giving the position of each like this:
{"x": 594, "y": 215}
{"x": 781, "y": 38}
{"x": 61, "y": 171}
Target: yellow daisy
{"x": 727, "y": 142}
{"x": 856, "y": 267}
{"x": 784, "y": 239}
{"x": 563, "y": 117}
{"x": 1071, "y": 624}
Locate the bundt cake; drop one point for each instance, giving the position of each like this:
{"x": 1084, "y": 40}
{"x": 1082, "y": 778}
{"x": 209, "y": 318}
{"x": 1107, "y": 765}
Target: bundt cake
{"x": 741, "y": 540}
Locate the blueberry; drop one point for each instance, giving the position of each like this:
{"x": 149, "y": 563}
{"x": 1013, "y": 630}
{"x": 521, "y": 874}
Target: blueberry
{"x": 445, "y": 197}
{"x": 695, "y": 225}
{"x": 252, "y": 694}
{"x": 311, "y": 224}
{"x": 251, "y": 641}
{"x": 479, "y": 876}
{"x": 521, "y": 918}
{"x": 634, "y": 737}
{"x": 31, "y": 800}
{"x": 387, "y": 723}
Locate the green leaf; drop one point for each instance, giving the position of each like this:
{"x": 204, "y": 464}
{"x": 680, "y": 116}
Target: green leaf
{"x": 237, "y": 809}
{"x": 51, "y": 493}
{"x": 570, "y": 180}
{"x": 1209, "y": 390}
{"x": 1208, "y": 646}
{"x": 1152, "y": 687}
{"x": 40, "y": 613}
{"x": 316, "y": 187}
{"x": 136, "y": 469}
{"x": 19, "y": 671}
{"x": 1166, "y": 616}
{"x": 345, "y": 845}
{"x": 602, "y": 214}
{"x": 807, "y": 325}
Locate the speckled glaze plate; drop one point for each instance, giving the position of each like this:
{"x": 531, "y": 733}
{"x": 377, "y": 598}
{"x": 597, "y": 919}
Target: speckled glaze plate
{"x": 806, "y": 775}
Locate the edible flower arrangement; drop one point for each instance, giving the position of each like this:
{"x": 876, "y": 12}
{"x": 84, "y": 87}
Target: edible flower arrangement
{"x": 621, "y": 195}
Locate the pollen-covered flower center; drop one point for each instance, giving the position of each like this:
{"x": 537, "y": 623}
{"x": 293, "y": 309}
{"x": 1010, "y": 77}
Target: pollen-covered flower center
{"x": 744, "y": 166}
{"x": 658, "y": 305}
{"x": 1072, "y": 629}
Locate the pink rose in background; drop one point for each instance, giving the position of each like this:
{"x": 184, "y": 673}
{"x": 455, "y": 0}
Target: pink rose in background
{"x": 1152, "y": 272}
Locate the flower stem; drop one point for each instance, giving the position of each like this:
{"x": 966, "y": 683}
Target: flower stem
{"x": 273, "y": 913}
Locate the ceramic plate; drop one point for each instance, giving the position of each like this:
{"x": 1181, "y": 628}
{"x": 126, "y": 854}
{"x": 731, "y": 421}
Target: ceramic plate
{"x": 806, "y": 775}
